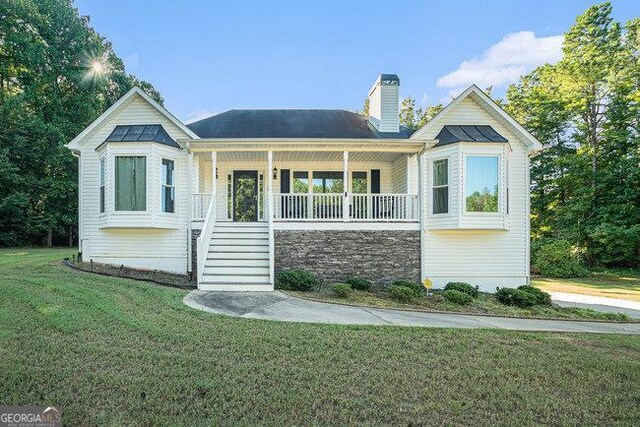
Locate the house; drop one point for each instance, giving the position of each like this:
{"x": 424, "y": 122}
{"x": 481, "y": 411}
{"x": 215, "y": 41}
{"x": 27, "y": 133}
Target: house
{"x": 237, "y": 197}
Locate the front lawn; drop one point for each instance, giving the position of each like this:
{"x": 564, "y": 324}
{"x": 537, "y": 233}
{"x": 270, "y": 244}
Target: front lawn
{"x": 117, "y": 351}
{"x": 620, "y": 284}
{"x": 485, "y": 304}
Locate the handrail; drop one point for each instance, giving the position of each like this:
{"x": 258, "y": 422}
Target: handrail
{"x": 271, "y": 239}
{"x": 373, "y": 207}
{"x": 204, "y": 239}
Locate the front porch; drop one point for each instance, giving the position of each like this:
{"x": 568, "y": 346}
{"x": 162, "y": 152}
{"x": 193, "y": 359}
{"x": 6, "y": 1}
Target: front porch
{"x": 306, "y": 187}
{"x": 249, "y": 203}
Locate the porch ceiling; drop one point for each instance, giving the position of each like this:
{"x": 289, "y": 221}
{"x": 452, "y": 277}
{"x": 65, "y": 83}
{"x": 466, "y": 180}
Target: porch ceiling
{"x": 308, "y": 156}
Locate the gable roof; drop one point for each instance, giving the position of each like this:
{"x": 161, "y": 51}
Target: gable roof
{"x": 140, "y": 133}
{"x": 532, "y": 144}
{"x": 290, "y": 123}
{"x": 451, "y": 134}
{"x": 132, "y": 92}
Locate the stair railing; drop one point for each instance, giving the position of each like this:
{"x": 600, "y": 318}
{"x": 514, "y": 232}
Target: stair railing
{"x": 204, "y": 240}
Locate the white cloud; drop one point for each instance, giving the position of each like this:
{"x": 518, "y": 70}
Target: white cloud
{"x": 200, "y": 114}
{"x": 504, "y": 62}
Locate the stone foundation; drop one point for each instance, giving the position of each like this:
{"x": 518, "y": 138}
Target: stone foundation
{"x": 194, "y": 253}
{"x": 379, "y": 256}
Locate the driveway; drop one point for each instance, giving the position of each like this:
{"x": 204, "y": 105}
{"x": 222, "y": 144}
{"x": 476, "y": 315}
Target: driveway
{"x": 281, "y": 307}
{"x": 609, "y": 305}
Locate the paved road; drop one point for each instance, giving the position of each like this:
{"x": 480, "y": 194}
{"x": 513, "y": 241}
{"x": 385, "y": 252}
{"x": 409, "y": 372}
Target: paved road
{"x": 282, "y": 307}
{"x": 610, "y": 305}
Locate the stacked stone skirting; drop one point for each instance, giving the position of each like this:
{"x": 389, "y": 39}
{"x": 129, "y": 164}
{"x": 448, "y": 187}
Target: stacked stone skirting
{"x": 380, "y": 256}
{"x": 194, "y": 252}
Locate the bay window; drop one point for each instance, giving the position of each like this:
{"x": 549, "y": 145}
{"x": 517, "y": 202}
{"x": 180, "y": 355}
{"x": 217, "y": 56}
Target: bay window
{"x": 131, "y": 183}
{"x": 441, "y": 186}
{"x": 102, "y": 183}
{"x": 168, "y": 190}
{"x": 481, "y": 185}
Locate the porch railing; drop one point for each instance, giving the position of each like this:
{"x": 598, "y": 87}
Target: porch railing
{"x": 200, "y": 205}
{"x": 331, "y": 207}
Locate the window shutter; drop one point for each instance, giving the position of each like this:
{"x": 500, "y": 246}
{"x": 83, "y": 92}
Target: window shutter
{"x": 375, "y": 181}
{"x": 285, "y": 181}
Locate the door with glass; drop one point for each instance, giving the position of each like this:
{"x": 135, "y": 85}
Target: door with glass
{"x": 245, "y": 196}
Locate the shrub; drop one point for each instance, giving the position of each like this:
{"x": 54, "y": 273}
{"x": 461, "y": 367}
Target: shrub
{"x": 466, "y": 288}
{"x": 517, "y": 297}
{"x": 402, "y": 293}
{"x": 542, "y": 298}
{"x": 341, "y": 290}
{"x": 297, "y": 280}
{"x": 457, "y": 297}
{"x": 415, "y": 287}
{"x": 359, "y": 283}
{"x": 558, "y": 258}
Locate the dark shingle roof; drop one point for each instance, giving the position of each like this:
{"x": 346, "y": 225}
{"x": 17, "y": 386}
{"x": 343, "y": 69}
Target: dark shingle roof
{"x": 289, "y": 124}
{"x": 143, "y": 133}
{"x": 451, "y": 134}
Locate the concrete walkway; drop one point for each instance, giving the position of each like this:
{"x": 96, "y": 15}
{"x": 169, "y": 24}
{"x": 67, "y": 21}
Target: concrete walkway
{"x": 282, "y": 307}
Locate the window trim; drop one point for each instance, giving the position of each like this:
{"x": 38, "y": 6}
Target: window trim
{"x": 433, "y": 186}
{"x": 463, "y": 185}
{"x": 146, "y": 185}
{"x": 163, "y": 185}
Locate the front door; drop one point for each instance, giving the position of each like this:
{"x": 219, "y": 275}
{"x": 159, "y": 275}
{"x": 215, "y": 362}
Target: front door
{"x": 245, "y": 196}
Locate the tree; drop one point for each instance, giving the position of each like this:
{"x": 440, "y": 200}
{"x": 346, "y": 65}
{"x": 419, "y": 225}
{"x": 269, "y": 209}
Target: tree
{"x": 48, "y": 94}
{"x": 586, "y": 184}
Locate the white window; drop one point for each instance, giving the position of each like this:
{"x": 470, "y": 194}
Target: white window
{"x": 441, "y": 186}
{"x": 102, "y": 181}
{"x": 168, "y": 188}
{"x": 482, "y": 184}
{"x": 131, "y": 183}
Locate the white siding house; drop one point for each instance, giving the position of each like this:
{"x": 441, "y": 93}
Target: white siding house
{"x": 235, "y": 198}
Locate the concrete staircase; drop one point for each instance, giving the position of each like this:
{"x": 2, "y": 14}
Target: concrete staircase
{"x": 238, "y": 258}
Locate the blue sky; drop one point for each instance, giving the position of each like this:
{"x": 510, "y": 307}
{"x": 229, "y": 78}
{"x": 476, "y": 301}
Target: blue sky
{"x": 210, "y": 56}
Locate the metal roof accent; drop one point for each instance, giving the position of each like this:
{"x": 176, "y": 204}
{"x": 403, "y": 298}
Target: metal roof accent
{"x": 140, "y": 133}
{"x": 324, "y": 124}
{"x": 450, "y": 134}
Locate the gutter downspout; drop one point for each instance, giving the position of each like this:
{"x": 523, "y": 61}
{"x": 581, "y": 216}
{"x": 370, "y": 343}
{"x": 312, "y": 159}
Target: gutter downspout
{"x": 76, "y": 153}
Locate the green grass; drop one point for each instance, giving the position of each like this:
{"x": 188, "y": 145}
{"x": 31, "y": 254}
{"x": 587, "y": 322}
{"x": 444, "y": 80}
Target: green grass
{"x": 619, "y": 283}
{"x": 485, "y": 304}
{"x": 117, "y": 351}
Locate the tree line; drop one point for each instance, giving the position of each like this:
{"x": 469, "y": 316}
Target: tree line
{"x": 57, "y": 74}
{"x": 585, "y": 185}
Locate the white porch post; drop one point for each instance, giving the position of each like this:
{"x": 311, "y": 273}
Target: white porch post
{"x": 214, "y": 166}
{"x": 345, "y": 180}
{"x": 191, "y": 207}
{"x": 270, "y": 216}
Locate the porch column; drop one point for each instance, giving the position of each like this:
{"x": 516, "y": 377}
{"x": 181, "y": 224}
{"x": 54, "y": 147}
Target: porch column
{"x": 345, "y": 181}
{"x": 214, "y": 180}
{"x": 270, "y": 216}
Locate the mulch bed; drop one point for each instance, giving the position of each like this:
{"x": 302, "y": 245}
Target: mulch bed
{"x": 160, "y": 277}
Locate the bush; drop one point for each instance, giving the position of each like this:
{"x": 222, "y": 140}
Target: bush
{"x": 402, "y": 293}
{"x": 558, "y": 258}
{"x": 415, "y": 287}
{"x": 297, "y": 280}
{"x": 457, "y": 297}
{"x": 466, "y": 288}
{"x": 542, "y": 298}
{"x": 517, "y": 297}
{"x": 341, "y": 290}
{"x": 359, "y": 283}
